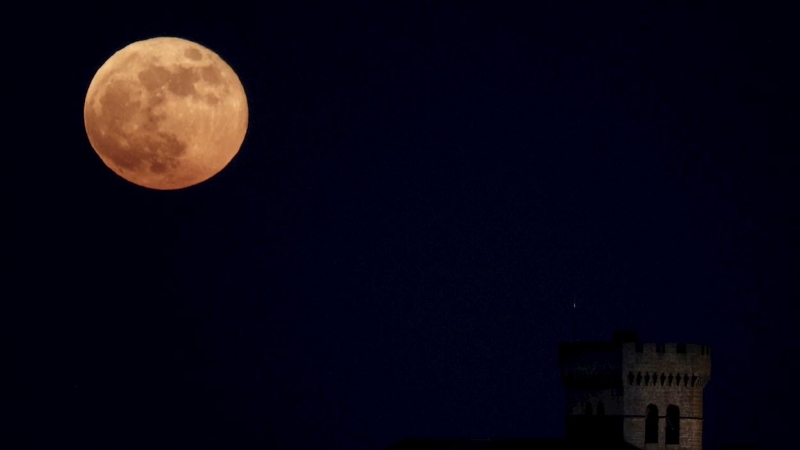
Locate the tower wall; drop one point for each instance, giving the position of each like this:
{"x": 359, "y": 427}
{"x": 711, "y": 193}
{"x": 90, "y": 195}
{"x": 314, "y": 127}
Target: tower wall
{"x": 664, "y": 375}
{"x": 691, "y": 434}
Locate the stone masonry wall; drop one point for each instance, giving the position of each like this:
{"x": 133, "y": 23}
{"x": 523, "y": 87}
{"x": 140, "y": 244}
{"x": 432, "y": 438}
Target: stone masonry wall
{"x": 665, "y": 375}
{"x": 691, "y": 434}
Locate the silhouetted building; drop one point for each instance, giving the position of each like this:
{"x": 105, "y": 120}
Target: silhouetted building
{"x": 500, "y": 444}
{"x": 621, "y": 394}
{"x": 649, "y": 396}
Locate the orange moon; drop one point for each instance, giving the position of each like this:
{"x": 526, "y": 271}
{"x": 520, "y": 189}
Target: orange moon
{"x": 166, "y": 113}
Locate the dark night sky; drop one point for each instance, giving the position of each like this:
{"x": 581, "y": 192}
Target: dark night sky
{"x": 395, "y": 250}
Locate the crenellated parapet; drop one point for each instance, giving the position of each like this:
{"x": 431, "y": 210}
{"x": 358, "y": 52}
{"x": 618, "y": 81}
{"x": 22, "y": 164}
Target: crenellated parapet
{"x": 666, "y": 365}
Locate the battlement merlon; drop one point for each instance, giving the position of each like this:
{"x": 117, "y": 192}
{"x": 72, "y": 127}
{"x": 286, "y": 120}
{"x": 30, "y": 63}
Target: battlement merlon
{"x": 670, "y": 347}
{"x": 605, "y": 351}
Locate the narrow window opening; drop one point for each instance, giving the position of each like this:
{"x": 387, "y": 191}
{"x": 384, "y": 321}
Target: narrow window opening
{"x": 651, "y": 424}
{"x": 672, "y": 434}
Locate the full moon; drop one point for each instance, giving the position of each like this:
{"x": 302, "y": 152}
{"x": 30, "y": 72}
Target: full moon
{"x": 166, "y": 113}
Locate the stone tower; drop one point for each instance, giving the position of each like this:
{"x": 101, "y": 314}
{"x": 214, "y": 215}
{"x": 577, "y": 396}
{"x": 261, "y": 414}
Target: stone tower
{"x": 645, "y": 396}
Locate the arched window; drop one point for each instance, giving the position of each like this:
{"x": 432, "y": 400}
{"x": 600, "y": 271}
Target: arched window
{"x": 601, "y": 409}
{"x": 588, "y": 408}
{"x": 673, "y": 431}
{"x": 651, "y": 424}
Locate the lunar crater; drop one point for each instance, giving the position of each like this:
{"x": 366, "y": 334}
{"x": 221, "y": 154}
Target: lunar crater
{"x": 193, "y": 54}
